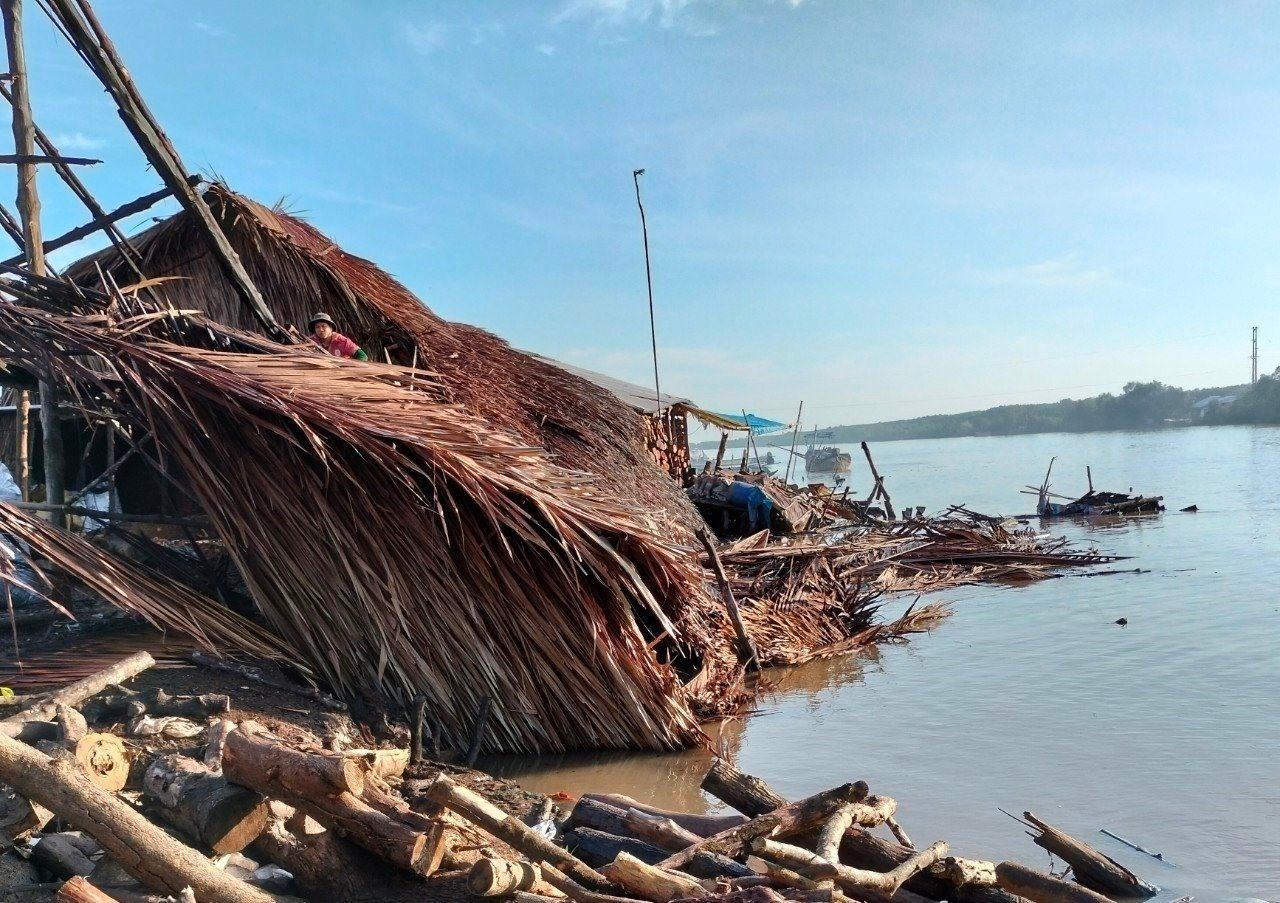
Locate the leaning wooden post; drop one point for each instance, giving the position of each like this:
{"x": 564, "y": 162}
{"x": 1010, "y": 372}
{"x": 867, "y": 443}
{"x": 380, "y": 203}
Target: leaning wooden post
{"x": 724, "y": 441}
{"x": 29, "y": 210}
{"x": 747, "y": 655}
{"x": 795, "y": 434}
{"x": 879, "y": 482}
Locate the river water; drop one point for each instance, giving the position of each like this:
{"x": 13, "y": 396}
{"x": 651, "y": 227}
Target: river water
{"x": 1165, "y": 731}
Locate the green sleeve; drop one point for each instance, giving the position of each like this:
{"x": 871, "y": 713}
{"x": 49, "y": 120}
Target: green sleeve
{"x": 359, "y": 355}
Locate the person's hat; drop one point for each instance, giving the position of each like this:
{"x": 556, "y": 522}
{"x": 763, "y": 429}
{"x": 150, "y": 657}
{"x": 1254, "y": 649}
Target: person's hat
{"x": 320, "y": 318}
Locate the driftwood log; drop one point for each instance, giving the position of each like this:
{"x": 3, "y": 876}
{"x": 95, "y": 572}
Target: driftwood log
{"x": 221, "y": 816}
{"x": 146, "y": 852}
{"x": 650, "y": 882}
{"x": 752, "y": 797}
{"x": 326, "y": 786}
{"x": 599, "y": 848}
{"x": 479, "y": 811}
{"x": 662, "y": 832}
{"x": 702, "y": 825}
{"x": 78, "y": 692}
{"x": 1041, "y": 888}
{"x": 790, "y": 818}
{"x": 494, "y": 876}
{"x": 1091, "y": 868}
{"x": 814, "y": 866}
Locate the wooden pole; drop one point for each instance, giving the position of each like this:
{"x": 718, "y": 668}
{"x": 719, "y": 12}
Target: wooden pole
{"x": 879, "y": 482}
{"x": 88, "y": 37}
{"x": 648, "y": 277}
{"x": 29, "y": 211}
{"x": 795, "y": 434}
{"x": 22, "y": 436}
{"x": 724, "y": 441}
{"x": 748, "y": 657}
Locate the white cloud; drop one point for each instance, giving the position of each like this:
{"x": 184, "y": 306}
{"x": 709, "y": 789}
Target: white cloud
{"x": 78, "y": 141}
{"x": 694, "y": 17}
{"x": 427, "y": 38}
{"x": 213, "y": 31}
{"x": 1065, "y": 271}
{"x": 546, "y": 49}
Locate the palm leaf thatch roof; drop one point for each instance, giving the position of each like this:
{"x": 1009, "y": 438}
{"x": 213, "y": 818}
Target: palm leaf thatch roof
{"x": 299, "y": 271}
{"x": 396, "y": 544}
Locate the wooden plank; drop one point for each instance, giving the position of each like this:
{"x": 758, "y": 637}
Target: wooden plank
{"x": 32, "y": 159}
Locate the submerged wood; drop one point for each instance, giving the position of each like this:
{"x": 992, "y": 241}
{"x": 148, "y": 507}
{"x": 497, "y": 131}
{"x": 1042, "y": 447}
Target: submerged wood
{"x": 1089, "y": 867}
{"x": 1042, "y": 888}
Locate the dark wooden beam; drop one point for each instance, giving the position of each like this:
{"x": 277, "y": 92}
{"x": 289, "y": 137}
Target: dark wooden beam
{"x": 97, "y": 224}
{"x": 45, "y": 158}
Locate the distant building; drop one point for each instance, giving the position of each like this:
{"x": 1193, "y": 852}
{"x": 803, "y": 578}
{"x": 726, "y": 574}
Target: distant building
{"x": 1213, "y": 403}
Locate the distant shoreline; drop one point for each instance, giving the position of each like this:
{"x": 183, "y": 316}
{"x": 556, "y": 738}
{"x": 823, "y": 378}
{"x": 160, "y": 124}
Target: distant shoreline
{"x": 1141, "y": 406}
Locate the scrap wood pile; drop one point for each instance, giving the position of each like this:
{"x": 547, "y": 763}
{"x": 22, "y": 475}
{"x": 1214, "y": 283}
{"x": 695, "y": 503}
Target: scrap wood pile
{"x": 237, "y": 812}
{"x": 819, "y": 593}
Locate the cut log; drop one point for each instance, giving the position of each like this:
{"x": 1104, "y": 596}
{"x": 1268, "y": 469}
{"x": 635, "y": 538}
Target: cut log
{"x": 327, "y": 867}
{"x": 662, "y": 832}
{"x": 575, "y": 891}
{"x": 534, "y": 846}
{"x": 103, "y": 759}
{"x": 385, "y": 763}
{"x": 78, "y": 692}
{"x": 702, "y": 825}
{"x": 1041, "y": 888}
{"x": 1091, "y": 868}
{"x": 752, "y": 796}
{"x": 590, "y": 812}
{"x": 61, "y": 856}
{"x": 247, "y": 752}
{"x": 150, "y": 855}
{"x": 314, "y": 782}
{"x": 221, "y": 816}
{"x": 599, "y": 848}
{"x": 78, "y": 890}
{"x": 649, "y": 882}
{"x": 494, "y": 876}
{"x": 789, "y": 819}
{"x": 813, "y": 866}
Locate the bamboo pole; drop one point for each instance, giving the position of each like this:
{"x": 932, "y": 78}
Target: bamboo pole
{"x": 795, "y": 434}
{"x": 748, "y": 657}
{"x": 29, "y": 211}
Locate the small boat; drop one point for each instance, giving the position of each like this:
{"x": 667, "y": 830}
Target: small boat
{"x": 827, "y": 459}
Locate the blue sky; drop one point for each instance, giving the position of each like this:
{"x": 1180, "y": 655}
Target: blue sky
{"x": 886, "y": 209}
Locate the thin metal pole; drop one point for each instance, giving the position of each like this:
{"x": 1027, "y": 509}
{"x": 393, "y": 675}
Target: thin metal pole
{"x": 648, "y": 276}
{"x": 794, "y": 433}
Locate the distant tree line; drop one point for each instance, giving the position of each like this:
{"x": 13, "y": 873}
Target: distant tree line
{"x": 1140, "y": 405}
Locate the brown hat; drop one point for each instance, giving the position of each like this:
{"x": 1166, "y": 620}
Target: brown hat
{"x": 320, "y": 318}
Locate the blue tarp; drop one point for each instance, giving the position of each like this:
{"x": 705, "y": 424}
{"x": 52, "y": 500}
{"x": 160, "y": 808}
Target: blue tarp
{"x": 760, "y": 426}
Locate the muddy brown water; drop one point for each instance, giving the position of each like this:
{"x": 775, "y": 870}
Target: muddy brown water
{"x": 1165, "y": 731}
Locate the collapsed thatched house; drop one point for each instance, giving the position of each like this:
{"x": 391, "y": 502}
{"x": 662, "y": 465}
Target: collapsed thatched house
{"x": 300, "y": 271}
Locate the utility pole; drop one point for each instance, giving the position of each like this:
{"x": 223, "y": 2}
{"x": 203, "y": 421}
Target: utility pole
{"x": 648, "y": 275}
{"x": 1255, "y": 356}
{"x": 29, "y": 211}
